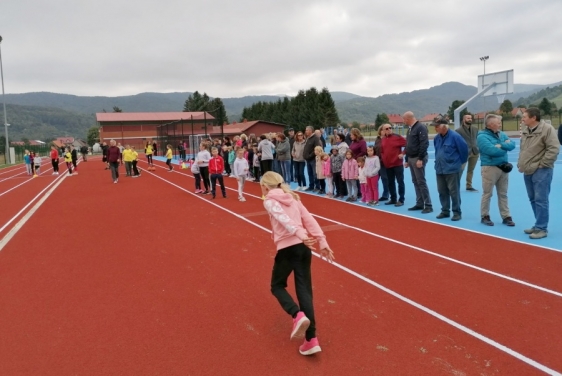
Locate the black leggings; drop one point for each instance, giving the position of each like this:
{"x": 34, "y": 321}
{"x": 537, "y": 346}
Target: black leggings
{"x": 149, "y": 157}
{"x": 204, "y": 171}
{"x": 169, "y": 163}
{"x": 294, "y": 259}
{"x": 55, "y": 163}
{"x": 135, "y": 169}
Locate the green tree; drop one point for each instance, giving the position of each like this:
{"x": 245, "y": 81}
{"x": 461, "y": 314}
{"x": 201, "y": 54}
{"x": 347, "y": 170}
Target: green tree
{"x": 456, "y": 104}
{"x": 380, "y": 120}
{"x": 216, "y": 108}
{"x": 116, "y": 109}
{"x": 545, "y": 107}
{"x": 506, "y": 107}
{"x": 355, "y": 124}
{"x": 93, "y": 135}
{"x": 327, "y": 109}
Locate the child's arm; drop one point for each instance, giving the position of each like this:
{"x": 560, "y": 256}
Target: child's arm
{"x": 314, "y": 229}
{"x": 276, "y": 211}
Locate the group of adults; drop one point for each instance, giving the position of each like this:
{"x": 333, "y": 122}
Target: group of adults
{"x": 460, "y": 149}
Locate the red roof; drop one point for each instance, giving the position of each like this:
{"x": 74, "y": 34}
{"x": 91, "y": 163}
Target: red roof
{"x": 429, "y": 117}
{"x": 152, "y": 116}
{"x": 65, "y": 140}
{"x": 236, "y": 128}
{"x": 395, "y": 118}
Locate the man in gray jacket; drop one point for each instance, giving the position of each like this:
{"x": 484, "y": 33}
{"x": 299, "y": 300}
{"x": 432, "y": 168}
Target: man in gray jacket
{"x": 469, "y": 133}
{"x": 539, "y": 150}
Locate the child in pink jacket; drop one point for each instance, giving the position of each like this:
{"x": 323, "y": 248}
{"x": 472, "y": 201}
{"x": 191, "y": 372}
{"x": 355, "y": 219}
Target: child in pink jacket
{"x": 294, "y": 233}
{"x": 327, "y": 171}
{"x": 350, "y": 174}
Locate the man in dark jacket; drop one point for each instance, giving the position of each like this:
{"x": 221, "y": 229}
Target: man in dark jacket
{"x": 104, "y": 148}
{"x": 469, "y": 133}
{"x": 311, "y": 142}
{"x": 291, "y": 134}
{"x": 113, "y": 158}
{"x": 451, "y": 152}
{"x": 417, "y": 142}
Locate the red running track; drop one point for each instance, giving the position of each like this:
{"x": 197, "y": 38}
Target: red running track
{"x": 145, "y": 278}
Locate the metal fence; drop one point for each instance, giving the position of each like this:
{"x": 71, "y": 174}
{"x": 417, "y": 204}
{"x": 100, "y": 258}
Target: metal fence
{"x": 184, "y": 132}
{"x": 43, "y": 151}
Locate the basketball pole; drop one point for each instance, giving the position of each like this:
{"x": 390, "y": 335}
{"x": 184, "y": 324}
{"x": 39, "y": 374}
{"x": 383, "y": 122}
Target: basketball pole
{"x": 458, "y": 110}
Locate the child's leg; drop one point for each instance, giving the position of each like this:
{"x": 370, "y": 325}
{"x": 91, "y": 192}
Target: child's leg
{"x": 349, "y": 184}
{"x": 69, "y": 167}
{"x": 241, "y": 180}
{"x": 322, "y": 185}
{"x": 37, "y": 168}
{"x": 213, "y": 183}
{"x": 374, "y": 187}
{"x": 297, "y": 259}
{"x": 364, "y": 194}
{"x": 197, "y": 181}
{"x": 221, "y": 182}
{"x": 329, "y": 186}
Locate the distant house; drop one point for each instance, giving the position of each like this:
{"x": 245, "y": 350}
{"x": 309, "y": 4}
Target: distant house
{"x": 396, "y": 119}
{"x": 31, "y": 142}
{"x": 428, "y": 119}
{"x": 256, "y": 127}
{"x": 517, "y": 112}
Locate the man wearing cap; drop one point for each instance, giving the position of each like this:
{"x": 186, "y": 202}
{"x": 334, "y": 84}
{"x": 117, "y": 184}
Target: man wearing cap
{"x": 469, "y": 133}
{"x": 451, "y": 151}
{"x": 539, "y": 151}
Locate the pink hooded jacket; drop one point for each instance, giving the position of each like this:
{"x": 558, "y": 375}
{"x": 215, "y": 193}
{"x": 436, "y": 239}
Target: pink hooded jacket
{"x": 290, "y": 221}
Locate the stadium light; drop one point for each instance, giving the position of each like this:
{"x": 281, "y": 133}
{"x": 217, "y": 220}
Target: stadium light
{"x": 7, "y": 151}
{"x": 483, "y": 59}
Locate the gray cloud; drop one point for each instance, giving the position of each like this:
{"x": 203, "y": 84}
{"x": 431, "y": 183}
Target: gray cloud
{"x": 228, "y": 48}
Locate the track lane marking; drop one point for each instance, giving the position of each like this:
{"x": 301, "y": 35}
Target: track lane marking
{"x": 421, "y": 307}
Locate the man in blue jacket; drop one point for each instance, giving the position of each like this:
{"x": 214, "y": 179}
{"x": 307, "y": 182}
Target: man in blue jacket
{"x": 494, "y": 145}
{"x": 451, "y": 152}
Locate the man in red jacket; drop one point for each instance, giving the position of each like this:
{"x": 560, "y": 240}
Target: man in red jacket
{"x": 216, "y": 168}
{"x": 392, "y": 158}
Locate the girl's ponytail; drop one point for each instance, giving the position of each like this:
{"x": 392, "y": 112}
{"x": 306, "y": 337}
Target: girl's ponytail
{"x": 273, "y": 180}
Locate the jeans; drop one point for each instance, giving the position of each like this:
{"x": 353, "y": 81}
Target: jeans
{"x": 294, "y": 259}
{"x": 449, "y": 192}
{"x": 423, "y": 200}
{"x": 384, "y": 180}
{"x": 286, "y": 170}
{"x": 396, "y": 174}
{"x": 311, "y": 169}
{"x": 114, "y": 167}
{"x": 129, "y": 168}
{"x": 293, "y": 171}
{"x": 299, "y": 173}
{"x": 538, "y": 189}
{"x": 351, "y": 187}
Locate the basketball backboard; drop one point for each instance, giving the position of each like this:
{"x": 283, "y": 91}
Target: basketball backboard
{"x": 503, "y": 83}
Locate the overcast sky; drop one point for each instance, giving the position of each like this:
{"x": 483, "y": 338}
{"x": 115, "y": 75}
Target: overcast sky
{"x": 247, "y": 47}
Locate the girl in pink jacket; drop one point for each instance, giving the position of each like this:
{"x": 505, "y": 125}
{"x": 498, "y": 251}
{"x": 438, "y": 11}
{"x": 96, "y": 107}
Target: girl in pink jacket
{"x": 350, "y": 174}
{"x": 294, "y": 233}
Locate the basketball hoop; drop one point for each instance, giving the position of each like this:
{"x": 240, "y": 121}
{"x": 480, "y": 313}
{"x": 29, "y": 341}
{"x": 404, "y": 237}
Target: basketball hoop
{"x": 500, "y": 98}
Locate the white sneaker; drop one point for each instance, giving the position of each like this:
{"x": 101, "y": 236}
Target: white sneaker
{"x": 114, "y": 181}
{"x": 242, "y": 199}
{"x": 54, "y": 173}
{"x": 75, "y": 173}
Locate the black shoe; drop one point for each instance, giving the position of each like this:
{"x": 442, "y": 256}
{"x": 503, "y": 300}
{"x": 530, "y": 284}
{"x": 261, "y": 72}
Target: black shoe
{"x": 472, "y": 189}
{"x": 487, "y": 221}
{"x": 508, "y": 222}
{"x": 383, "y": 199}
{"x": 390, "y": 203}
{"x": 399, "y": 203}
{"x": 456, "y": 217}
{"x": 213, "y": 197}
{"x": 427, "y": 210}
{"x": 416, "y": 208}
{"x": 443, "y": 215}
{"x": 223, "y": 196}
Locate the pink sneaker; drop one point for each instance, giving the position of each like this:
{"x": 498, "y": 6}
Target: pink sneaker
{"x": 300, "y": 325}
{"x": 310, "y": 347}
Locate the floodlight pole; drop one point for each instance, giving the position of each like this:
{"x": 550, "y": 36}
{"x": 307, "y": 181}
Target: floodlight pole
{"x": 483, "y": 59}
{"x": 7, "y": 151}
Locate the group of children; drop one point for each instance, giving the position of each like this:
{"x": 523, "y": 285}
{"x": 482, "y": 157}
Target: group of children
{"x": 32, "y": 162}
{"x": 212, "y": 165}
{"x": 339, "y": 176}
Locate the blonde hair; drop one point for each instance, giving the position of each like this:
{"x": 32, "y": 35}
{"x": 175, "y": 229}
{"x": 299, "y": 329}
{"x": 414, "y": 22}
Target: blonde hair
{"x": 273, "y": 180}
{"x": 319, "y": 149}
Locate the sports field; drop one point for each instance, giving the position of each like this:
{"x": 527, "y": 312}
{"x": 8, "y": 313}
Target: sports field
{"x": 145, "y": 277}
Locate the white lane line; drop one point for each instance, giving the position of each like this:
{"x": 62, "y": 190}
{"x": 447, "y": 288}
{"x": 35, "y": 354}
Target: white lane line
{"x": 11, "y": 169}
{"x": 28, "y": 215}
{"x": 431, "y": 312}
{"x": 11, "y": 177}
{"x": 29, "y": 203}
{"x": 25, "y": 182}
{"x": 459, "y": 262}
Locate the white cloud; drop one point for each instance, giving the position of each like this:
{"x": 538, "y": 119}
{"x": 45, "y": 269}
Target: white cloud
{"x": 231, "y": 49}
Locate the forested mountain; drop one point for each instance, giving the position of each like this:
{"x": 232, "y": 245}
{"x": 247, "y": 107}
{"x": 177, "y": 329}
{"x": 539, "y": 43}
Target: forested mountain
{"x": 44, "y": 115}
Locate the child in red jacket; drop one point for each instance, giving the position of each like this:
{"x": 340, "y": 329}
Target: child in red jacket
{"x": 216, "y": 168}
